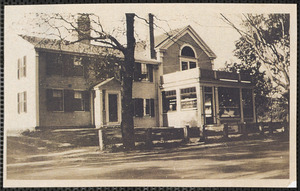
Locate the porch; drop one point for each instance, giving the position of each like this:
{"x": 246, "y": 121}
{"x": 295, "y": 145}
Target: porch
{"x": 198, "y": 97}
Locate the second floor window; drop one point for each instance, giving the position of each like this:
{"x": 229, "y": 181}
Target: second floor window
{"x": 64, "y": 64}
{"x": 143, "y": 72}
{"x": 22, "y": 67}
{"x": 187, "y": 58}
{"x": 77, "y": 66}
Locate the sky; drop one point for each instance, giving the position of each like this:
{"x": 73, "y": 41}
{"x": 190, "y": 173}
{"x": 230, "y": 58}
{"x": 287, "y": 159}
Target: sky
{"x": 204, "y": 18}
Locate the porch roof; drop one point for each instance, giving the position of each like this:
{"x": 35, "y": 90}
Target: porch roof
{"x": 97, "y": 86}
{"x": 217, "y": 78}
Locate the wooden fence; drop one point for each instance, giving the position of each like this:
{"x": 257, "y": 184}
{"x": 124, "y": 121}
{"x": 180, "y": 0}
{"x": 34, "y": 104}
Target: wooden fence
{"x": 112, "y": 135}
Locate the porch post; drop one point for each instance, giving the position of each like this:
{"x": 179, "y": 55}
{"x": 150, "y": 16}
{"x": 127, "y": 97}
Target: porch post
{"x": 217, "y": 105}
{"x": 201, "y": 114}
{"x": 241, "y": 105}
{"x": 178, "y": 99}
{"x": 253, "y": 106}
{"x": 199, "y": 102}
{"x": 98, "y": 108}
{"x": 160, "y": 108}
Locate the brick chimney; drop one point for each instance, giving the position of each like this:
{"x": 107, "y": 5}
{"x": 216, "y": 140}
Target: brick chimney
{"x": 152, "y": 50}
{"x": 84, "y": 28}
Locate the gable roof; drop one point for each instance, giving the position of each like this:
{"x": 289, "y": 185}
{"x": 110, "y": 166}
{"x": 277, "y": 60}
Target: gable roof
{"x": 163, "y": 37}
{"x": 63, "y": 45}
{"x": 103, "y": 83}
{"x": 167, "y": 39}
{"x": 141, "y": 52}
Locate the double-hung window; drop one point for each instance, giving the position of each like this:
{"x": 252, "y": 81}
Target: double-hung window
{"x": 55, "y": 99}
{"x": 78, "y": 101}
{"x": 77, "y": 66}
{"x": 143, "y": 107}
{"x": 22, "y": 67}
{"x": 143, "y": 72}
{"x": 22, "y": 102}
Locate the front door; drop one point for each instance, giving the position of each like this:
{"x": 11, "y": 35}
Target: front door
{"x": 113, "y": 107}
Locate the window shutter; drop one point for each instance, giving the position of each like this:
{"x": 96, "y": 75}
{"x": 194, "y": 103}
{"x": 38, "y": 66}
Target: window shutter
{"x": 53, "y": 64}
{"x": 86, "y": 97}
{"x": 138, "y": 107}
{"x": 150, "y": 72}
{"x": 133, "y": 102}
{"x": 24, "y": 66}
{"x": 67, "y": 65}
{"x": 69, "y": 100}
{"x": 152, "y": 113}
{"x": 18, "y": 102}
{"x": 49, "y": 99}
{"x": 49, "y": 63}
{"x": 85, "y": 65}
{"x": 25, "y": 101}
{"x": 137, "y": 72}
{"x": 19, "y": 68}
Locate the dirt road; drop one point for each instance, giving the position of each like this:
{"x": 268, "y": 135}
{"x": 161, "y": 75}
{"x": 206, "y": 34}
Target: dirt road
{"x": 266, "y": 158}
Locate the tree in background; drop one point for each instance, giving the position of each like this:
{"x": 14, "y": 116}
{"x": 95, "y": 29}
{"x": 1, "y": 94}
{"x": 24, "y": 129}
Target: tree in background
{"x": 264, "y": 52}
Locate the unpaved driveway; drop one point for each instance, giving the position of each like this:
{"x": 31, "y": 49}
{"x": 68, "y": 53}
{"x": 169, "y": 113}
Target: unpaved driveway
{"x": 266, "y": 158}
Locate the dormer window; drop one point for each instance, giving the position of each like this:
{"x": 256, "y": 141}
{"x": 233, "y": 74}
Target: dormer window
{"x": 187, "y": 58}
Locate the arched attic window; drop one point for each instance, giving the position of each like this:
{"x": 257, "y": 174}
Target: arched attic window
{"x": 187, "y": 51}
{"x": 187, "y": 58}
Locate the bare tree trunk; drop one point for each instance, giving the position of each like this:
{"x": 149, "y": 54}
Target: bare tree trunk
{"x": 127, "y": 124}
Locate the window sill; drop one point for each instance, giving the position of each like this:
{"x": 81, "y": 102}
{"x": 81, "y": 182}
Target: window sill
{"x": 143, "y": 82}
{"x": 174, "y": 111}
{"x": 238, "y": 117}
{"x": 189, "y": 109}
{"x": 143, "y": 117}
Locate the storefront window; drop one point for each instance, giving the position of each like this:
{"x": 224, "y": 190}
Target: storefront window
{"x": 188, "y": 98}
{"x": 229, "y": 102}
{"x": 247, "y": 103}
{"x": 169, "y": 101}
